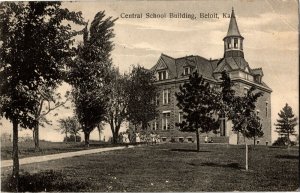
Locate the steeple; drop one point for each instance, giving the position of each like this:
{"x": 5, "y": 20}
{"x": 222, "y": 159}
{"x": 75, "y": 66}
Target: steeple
{"x": 233, "y": 41}
{"x": 233, "y": 29}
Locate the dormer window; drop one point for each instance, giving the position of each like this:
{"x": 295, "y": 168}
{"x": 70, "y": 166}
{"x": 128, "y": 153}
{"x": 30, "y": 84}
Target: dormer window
{"x": 187, "y": 71}
{"x": 162, "y": 75}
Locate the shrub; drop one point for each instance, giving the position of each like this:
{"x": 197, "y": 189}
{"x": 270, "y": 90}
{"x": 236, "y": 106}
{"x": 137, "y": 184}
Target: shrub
{"x": 71, "y": 138}
{"x": 283, "y": 141}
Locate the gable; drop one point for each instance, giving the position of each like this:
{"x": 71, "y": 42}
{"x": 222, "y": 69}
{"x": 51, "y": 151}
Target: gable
{"x": 161, "y": 65}
{"x": 247, "y": 69}
{"x": 226, "y": 67}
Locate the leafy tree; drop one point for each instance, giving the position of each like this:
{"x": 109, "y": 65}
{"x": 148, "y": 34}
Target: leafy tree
{"x": 63, "y": 126}
{"x": 90, "y": 74}
{"x": 244, "y": 117}
{"x": 286, "y": 123}
{"x": 118, "y": 103}
{"x": 241, "y": 109}
{"x": 35, "y": 39}
{"x": 199, "y": 103}
{"x": 69, "y": 125}
{"x": 228, "y": 94}
{"x": 141, "y": 92}
{"x": 48, "y": 101}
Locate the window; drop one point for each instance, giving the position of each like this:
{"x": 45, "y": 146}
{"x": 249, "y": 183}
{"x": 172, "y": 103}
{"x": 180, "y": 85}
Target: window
{"x": 241, "y": 44}
{"x": 187, "y": 71}
{"x": 266, "y": 108}
{"x": 181, "y": 140}
{"x": 157, "y": 99}
{"x": 246, "y": 91}
{"x": 154, "y": 125}
{"x": 228, "y": 43}
{"x": 166, "y": 121}
{"x": 162, "y": 75}
{"x": 166, "y": 96}
{"x": 235, "y": 44}
{"x": 180, "y": 117}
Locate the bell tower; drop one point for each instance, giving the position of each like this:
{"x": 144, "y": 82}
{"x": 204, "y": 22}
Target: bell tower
{"x": 233, "y": 41}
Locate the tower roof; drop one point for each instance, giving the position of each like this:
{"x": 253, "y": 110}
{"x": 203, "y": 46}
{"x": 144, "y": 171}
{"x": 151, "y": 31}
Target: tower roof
{"x": 233, "y": 29}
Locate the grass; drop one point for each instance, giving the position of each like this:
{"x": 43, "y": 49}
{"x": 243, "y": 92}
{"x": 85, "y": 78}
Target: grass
{"x": 26, "y": 149}
{"x": 176, "y": 167}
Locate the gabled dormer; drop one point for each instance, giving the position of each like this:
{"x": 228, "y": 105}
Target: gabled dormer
{"x": 258, "y": 74}
{"x": 163, "y": 68}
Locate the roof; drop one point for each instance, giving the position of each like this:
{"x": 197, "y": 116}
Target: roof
{"x": 233, "y": 63}
{"x": 176, "y": 66}
{"x": 257, "y": 71}
{"x": 233, "y": 29}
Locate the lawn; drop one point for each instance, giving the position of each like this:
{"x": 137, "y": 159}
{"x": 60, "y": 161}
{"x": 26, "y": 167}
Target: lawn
{"x": 169, "y": 167}
{"x": 26, "y": 149}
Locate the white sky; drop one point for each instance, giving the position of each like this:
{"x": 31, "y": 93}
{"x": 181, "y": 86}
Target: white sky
{"x": 270, "y": 29}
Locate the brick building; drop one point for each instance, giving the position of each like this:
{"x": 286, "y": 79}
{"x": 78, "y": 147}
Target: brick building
{"x": 171, "y": 72}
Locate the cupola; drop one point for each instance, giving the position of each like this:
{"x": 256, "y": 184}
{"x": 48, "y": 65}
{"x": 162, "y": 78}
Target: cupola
{"x": 233, "y": 41}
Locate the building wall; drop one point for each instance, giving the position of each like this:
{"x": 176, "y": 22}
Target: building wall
{"x": 174, "y": 132}
{"x": 263, "y": 107}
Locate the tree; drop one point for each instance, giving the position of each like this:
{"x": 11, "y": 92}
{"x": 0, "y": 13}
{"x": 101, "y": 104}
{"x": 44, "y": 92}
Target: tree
{"x": 69, "y": 125}
{"x": 118, "y": 103}
{"x": 34, "y": 40}
{"x": 227, "y": 94}
{"x": 48, "y": 101}
{"x": 63, "y": 126}
{"x": 286, "y": 123}
{"x": 244, "y": 116}
{"x": 141, "y": 92}
{"x": 241, "y": 110}
{"x": 199, "y": 103}
{"x": 90, "y": 74}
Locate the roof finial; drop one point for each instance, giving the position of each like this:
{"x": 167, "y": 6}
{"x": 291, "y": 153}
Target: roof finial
{"x": 232, "y": 13}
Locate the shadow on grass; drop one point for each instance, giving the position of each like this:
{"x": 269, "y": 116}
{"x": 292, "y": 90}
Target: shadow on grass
{"x": 188, "y": 150}
{"x": 47, "y": 180}
{"x": 287, "y": 156}
{"x": 230, "y": 165}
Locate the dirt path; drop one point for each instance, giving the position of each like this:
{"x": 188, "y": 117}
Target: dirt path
{"x": 35, "y": 159}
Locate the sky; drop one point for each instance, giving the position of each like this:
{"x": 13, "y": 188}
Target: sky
{"x": 270, "y": 29}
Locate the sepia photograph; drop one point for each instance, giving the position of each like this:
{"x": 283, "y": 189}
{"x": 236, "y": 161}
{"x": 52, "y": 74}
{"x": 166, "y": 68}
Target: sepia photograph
{"x": 149, "y": 96}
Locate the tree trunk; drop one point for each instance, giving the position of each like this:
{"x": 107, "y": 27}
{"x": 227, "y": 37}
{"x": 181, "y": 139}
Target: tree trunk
{"x": 87, "y": 139}
{"x": 66, "y": 135}
{"x": 246, "y": 149}
{"x": 99, "y": 134}
{"x": 36, "y": 137}
{"x": 254, "y": 142}
{"x": 115, "y": 137}
{"x": 115, "y": 132}
{"x": 198, "y": 140}
{"x": 75, "y": 138}
{"x": 15, "y": 172}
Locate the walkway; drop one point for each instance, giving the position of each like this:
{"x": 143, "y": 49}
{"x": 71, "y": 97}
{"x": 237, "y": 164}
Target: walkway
{"x": 30, "y": 160}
